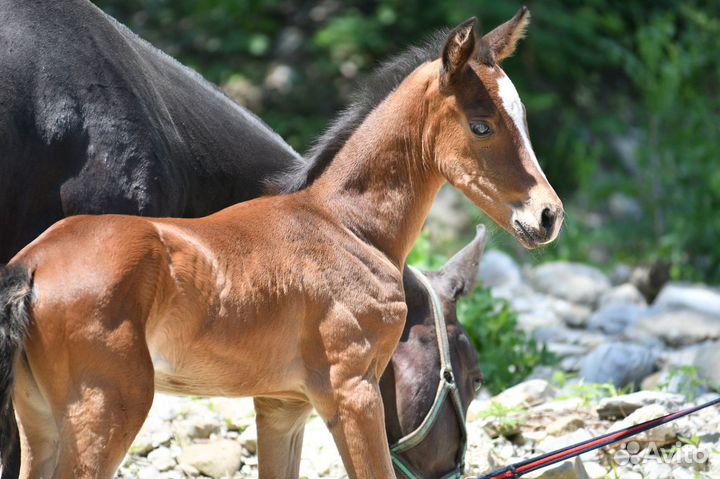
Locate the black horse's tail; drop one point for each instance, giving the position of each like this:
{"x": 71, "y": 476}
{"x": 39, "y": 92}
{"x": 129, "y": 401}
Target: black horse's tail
{"x": 15, "y": 295}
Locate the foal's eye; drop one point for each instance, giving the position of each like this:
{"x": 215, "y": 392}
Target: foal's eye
{"x": 480, "y": 128}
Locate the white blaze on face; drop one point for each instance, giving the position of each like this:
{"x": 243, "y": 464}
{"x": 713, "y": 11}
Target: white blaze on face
{"x": 513, "y": 107}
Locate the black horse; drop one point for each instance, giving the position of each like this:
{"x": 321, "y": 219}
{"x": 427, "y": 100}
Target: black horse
{"x": 95, "y": 120}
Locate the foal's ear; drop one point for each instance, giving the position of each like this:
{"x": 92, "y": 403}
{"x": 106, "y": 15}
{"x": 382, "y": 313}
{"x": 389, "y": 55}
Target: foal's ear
{"x": 459, "y": 274}
{"x": 503, "y": 39}
{"x": 459, "y": 48}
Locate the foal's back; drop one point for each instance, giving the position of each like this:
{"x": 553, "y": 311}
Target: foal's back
{"x": 221, "y": 305}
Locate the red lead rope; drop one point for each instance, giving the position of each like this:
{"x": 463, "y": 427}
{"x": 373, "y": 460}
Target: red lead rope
{"x": 521, "y": 468}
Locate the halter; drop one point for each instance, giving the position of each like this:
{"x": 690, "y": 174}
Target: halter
{"x": 447, "y": 387}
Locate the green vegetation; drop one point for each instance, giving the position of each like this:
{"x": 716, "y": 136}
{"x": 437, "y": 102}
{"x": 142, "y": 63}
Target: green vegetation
{"x": 507, "y": 355}
{"x": 589, "y": 393}
{"x": 504, "y": 420}
{"x": 685, "y": 380}
{"x": 621, "y": 97}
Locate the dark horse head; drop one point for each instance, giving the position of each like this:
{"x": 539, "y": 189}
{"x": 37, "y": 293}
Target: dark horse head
{"x": 416, "y": 413}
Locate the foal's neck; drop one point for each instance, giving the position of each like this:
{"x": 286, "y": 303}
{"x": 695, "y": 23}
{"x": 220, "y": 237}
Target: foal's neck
{"x": 382, "y": 183}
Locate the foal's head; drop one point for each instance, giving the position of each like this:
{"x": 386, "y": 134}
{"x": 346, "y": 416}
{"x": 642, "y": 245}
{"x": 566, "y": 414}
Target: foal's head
{"x": 480, "y": 134}
{"x": 410, "y": 382}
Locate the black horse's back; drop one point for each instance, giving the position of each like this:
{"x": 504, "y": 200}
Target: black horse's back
{"x": 95, "y": 120}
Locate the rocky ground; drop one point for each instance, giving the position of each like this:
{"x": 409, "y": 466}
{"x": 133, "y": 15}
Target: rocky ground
{"x": 609, "y": 341}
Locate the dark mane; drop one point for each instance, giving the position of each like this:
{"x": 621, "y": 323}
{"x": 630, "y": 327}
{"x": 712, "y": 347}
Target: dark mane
{"x": 370, "y": 94}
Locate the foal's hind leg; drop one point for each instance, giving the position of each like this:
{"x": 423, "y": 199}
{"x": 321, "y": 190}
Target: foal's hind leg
{"x": 38, "y": 431}
{"x": 101, "y": 423}
{"x": 99, "y": 391}
{"x": 280, "y": 425}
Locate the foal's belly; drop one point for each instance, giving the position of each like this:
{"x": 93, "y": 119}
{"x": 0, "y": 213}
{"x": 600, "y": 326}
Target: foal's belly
{"x": 227, "y": 357}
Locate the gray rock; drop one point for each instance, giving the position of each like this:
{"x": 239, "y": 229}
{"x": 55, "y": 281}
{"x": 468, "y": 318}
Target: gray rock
{"x": 195, "y": 428}
{"x": 573, "y": 282}
{"x": 542, "y": 318}
{"x": 660, "y": 436}
{"x": 681, "y": 296}
{"x": 553, "y": 443}
{"x": 148, "y": 473}
{"x": 614, "y": 318}
{"x": 564, "y": 350}
{"x": 620, "y": 274}
{"x": 676, "y": 327}
{"x": 499, "y": 269}
{"x": 580, "y": 337}
{"x": 707, "y": 361}
{"x": 657, "y": 470}
{"x": 618, "y": 363}
{"x": 623, "y": 406}
{"x": 215, "y": 459}
{"x": 248, "y": 439}
{"x": 527, "y": 393}
{"x": 565, "y": 425}
{"x": 573, "y": 315}
{"x": 162, "y": 459}
{"x": 625, "y": 293}
{"x": 572, "y": 469}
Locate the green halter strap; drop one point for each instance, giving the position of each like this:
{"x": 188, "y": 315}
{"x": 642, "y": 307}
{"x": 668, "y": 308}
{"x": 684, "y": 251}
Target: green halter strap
{"x": 447, "y": 387}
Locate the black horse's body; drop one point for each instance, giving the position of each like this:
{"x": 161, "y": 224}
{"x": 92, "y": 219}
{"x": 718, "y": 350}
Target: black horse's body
{"x": 94, "y": 119}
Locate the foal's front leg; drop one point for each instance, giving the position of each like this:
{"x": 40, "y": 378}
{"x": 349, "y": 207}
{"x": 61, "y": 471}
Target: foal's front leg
{"x": 280, "y": 426}
{"x": 347, "y": 395}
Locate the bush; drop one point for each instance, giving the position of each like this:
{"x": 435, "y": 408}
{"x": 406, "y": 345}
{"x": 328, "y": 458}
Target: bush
{"x": 507, "y": 355}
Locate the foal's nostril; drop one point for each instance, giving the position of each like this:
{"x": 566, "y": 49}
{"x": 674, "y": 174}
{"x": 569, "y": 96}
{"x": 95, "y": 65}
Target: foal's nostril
{"x": 547, "y": 220}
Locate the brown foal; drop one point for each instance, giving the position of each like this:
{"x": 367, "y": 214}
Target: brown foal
{"x": 296, "y": 300}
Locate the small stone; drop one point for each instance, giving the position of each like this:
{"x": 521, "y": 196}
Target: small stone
{"x": 148, "y": 472}
{"x": 498, "y": 269}
{"x": 615, "y": 318}
{"x": 676, "y": 327}
{"x": 553, "y": 443}
{"x": 248, "y": 439}
{"x": 572, "y": 469}
{"x": 215, "y": 459}
{"x": 618, "y": 363}
{"x": 195, "y": 428}
{"x": 188, "y": 470}
{"x": 623, "y": 406}
{"x": 574, "y": 282}
{"x": 620, "y": 274}
{"x": 565, "y": 425}
{"x": 541, "y": 318}
{"x": 626, "y": 293}
{"x": 657, "y": 470}
{"x": 660, "y": 436}
{"x": 707, "y": 360}
{"x": 595, "y": 470}
{"x": 162, "y": 459}
{"x": 700, "y": 298}
{"x": 526, "y": 394}
{"x": 652, "y": 382}
{"x": 573, "y": 315}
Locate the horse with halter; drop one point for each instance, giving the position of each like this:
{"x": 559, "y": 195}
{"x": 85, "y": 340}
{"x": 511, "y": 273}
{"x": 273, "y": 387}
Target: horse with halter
{"x": 188, "y": 306}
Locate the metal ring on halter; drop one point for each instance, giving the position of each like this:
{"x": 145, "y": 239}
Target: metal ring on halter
{"x": 446, "y": 387}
